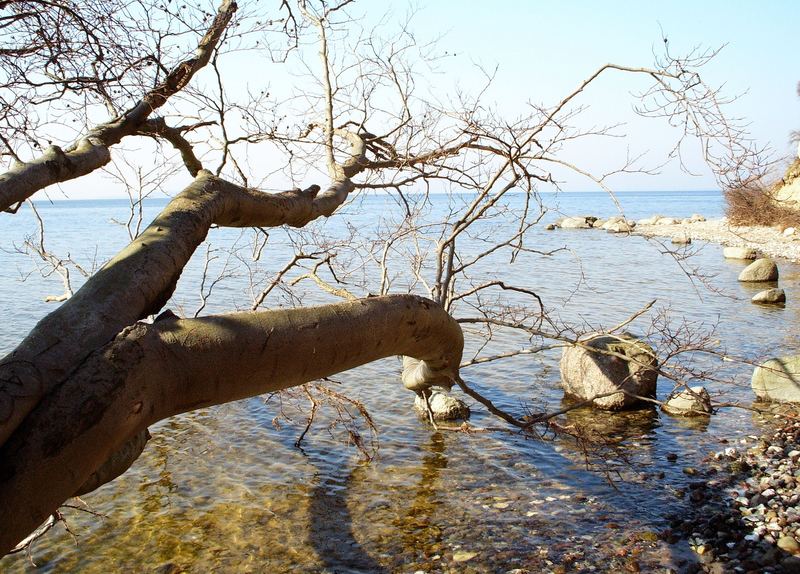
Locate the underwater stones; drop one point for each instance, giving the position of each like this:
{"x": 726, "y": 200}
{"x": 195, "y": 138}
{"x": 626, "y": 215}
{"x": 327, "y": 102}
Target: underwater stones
{"x": 778, "y": 380}
{"x": 602, "y": 364}
{"x": 739, "y": 253}
{"x": 763, "y": 269}
{"x": 444, "y": 407}
{"x": 691, "y": 402}
{"x": 770, "y": 297}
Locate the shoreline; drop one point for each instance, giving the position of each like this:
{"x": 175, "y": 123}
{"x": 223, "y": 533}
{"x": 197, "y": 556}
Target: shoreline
{"x": 769, "y": 241}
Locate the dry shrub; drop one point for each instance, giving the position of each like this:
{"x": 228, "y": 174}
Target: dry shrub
{"x": 753, "y": 203}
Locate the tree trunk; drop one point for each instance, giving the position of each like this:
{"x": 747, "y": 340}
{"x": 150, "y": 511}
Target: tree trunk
{"x": 150, "y": 372}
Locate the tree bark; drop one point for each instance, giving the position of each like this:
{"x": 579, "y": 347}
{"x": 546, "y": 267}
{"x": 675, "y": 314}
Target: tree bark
{"x": 140, "y": 279}
{"x": 150, "y": 372}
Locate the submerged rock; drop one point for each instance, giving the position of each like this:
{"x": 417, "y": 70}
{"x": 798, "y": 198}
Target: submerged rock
{"x": 770, "y": 297}
{"x": 444, "y": 407}
{"x": 692, "y": 402}
{"x": 778, "y": 380}
{"x": 607, "y": 363}
{"x": 763, "y": 269}
{"x": 739, "y": 253}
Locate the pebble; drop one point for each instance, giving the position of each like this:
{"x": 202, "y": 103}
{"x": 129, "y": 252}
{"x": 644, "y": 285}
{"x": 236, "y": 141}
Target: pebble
{"x": 464, "y": 556}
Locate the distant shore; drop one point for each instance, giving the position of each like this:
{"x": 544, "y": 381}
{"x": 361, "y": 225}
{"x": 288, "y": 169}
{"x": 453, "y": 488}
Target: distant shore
{"x": 769, "y": 241}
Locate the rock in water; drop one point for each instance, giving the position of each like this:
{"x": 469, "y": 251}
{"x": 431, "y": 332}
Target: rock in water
{"x": 689, "y": 403}
{"x": 778, "y": 380}
{"x": 589, "y": 371}
{"x": 682, "y": 240}
{"x": 770, "y": 297}
{"x": 739, "y": 253}
{"x": 763, "y": 269}
{"x": 445, "y": 407}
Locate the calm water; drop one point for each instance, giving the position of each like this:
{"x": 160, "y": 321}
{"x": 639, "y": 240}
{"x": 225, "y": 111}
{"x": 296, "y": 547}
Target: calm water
{"x": 226, "y": 490}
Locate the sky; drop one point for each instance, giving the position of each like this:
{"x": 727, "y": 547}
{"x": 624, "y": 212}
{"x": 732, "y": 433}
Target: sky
{"x": 543, "y": 50}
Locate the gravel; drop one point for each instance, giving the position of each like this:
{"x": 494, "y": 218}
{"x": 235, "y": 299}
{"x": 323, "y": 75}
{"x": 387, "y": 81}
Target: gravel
{"x": 769, "y": 241}
{"x": 745, "y": 515}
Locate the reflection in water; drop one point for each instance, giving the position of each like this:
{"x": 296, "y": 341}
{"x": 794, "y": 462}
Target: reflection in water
{"x": 417, "y": 526}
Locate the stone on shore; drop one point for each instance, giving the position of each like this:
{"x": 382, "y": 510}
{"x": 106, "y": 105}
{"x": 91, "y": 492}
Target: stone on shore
{"x": 649, "y": 220}
{"x": 574, "y": 223}
{"x": 770, "y": 297}
{"x": 691, "y": 402}
{"x": 778, "y": 380}
{"x": 739, "y": 253}
{"x": 763, "y": 269}
{"x": 444, "y": 407}
{"x": 667, "y": 221}
{"x": 618, "y": 226}
{"x": 589, "y": 371}
{"x": 696, "y": 218}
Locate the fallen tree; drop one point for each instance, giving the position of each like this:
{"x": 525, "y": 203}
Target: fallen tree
{"x": 78, "y": 393}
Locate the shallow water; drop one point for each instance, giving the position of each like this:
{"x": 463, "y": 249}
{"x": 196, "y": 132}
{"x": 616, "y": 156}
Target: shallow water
{"x": 225, "y": 489}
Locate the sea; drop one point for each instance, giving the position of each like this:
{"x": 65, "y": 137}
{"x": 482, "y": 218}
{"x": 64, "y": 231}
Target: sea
{"x": 229, "y": 489}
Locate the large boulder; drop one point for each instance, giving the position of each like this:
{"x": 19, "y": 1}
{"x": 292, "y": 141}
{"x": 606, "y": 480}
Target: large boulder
{"x": 763, "y": 269}
{"x": 603, "y": 364}
{"x": 770, "y": 297}
{"x": 443, "y": 406}
{"x": 691, "y": 402}
{"x": 739, "y": 253}
{"x": 778, "y": 380}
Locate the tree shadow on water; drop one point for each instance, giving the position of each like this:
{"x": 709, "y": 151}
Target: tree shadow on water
{"x": 331, "y": 531}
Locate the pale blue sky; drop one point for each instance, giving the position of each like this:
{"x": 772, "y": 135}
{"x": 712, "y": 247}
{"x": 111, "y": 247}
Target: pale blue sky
{"x": 544, "y": 49}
